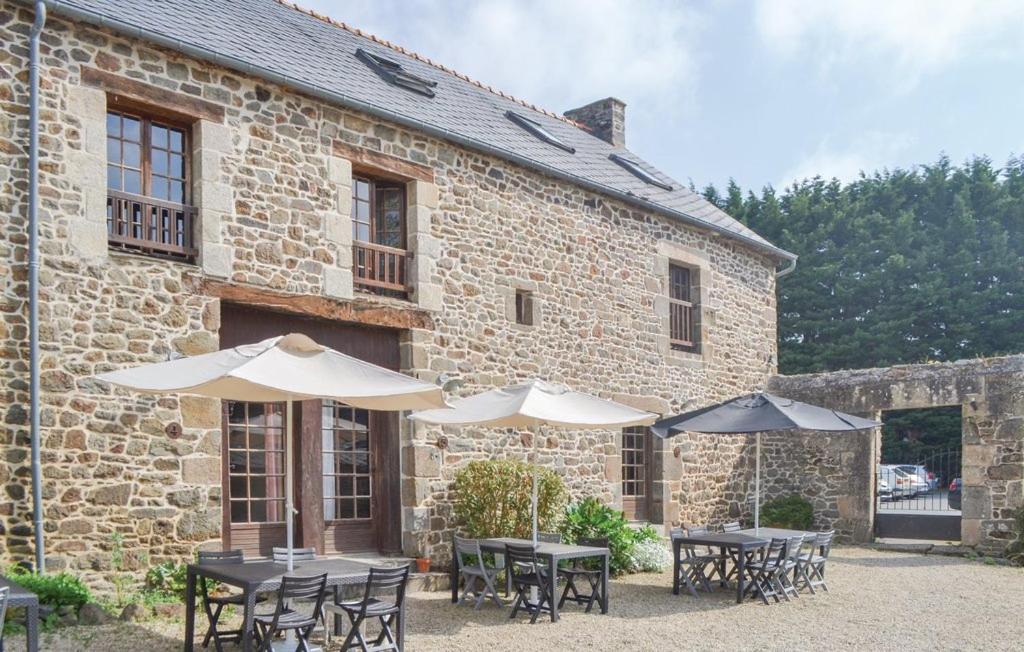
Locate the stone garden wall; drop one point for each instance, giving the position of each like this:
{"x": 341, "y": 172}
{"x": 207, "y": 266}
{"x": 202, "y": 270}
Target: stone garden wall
{"x": 837, "y": 470}
{"x": 270, "y": 176}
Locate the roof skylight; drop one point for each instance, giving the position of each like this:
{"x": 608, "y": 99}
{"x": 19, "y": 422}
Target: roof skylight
{"x": 538, "y": 130}
{"x": 393, "y": 73}
{"x": 638, "y": 171}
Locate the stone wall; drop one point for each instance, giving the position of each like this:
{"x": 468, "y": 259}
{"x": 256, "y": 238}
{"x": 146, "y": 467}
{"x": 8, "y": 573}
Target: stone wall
{"x": 270, "y": 175}
{"x": 840, "y": 470}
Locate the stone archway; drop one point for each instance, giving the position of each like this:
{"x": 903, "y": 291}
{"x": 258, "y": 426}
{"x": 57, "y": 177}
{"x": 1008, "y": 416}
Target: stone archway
{"x": 991, "y": 395}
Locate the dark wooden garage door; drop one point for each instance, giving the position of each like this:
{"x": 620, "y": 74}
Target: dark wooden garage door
{"x": 347, "y": 461}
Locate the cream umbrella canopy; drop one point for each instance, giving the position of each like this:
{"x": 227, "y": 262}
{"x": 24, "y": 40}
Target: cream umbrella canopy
{"x": 285, "y": 369}
{"x": 532, "y": 405}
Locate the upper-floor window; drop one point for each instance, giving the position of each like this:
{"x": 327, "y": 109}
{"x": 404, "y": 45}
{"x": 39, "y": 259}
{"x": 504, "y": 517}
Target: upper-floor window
{"x": 378, "y": 234}
{"x": 684, "y": 311}
{"x": 524, "y": 308}
{"x": 148, "y": 185}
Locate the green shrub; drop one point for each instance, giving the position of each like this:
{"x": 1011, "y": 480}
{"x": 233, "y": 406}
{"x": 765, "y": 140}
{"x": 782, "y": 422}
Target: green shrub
{"x": 590, "y": 518}
{"x": 493, "y": 497}
{"x": 55, "y": 590}
{"x": 791, "y": 512}
{"x": 168, "y": 578}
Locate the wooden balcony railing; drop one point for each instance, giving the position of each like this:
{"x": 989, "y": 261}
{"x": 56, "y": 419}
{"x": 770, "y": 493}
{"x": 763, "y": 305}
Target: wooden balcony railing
{"x": 681, "y": 325}
{"x": 380, "y": 267}
{"x": 149, "y": 225}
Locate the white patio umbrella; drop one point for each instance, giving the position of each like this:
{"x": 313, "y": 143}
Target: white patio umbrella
{"x": 533, "y": 405}
{"x": 285, "y": 369}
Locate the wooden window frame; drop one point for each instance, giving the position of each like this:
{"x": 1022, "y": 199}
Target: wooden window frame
{"x": 370, "y": 496}
{"x": 684, "y": 310}
{"x": 147, "y": 120}
{"x": 636, "y": 505}
{"x": 277, "y": 409}
{"x": 379, "y": 267}
{"x": 140, "y": 222}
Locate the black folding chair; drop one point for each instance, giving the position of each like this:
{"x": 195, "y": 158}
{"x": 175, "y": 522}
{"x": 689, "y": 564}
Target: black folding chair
{"x": 213, "y": 605}
{"x": 810, "y": 570}
{"x": 475, "y": 571}
{"x": 528, "y": 573}
{"x": 377, "y": 603}
{"x": 764, "y": 581}
{"x": 693, "y": 564}
{"x": 305, "y": 591}
{"x": 298, "y": 554}
{"x": 579, "y": 571}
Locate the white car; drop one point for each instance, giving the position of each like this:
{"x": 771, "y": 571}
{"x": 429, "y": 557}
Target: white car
{"x": 884, "y": 490}
{"x": 921, "y": 474}
{"x": 897, "y": 481}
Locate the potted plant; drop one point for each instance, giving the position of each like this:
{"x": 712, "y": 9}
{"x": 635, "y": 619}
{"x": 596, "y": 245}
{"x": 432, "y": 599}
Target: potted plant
{"x": 423, "y": 564}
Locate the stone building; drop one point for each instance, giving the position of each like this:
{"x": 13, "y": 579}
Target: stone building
{"x": 217, "y": 172}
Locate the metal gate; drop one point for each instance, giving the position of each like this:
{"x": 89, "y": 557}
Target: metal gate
{"x": 920, "y": 500}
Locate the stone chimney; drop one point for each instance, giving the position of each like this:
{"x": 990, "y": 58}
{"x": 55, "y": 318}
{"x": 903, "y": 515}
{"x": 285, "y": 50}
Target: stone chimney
{"x": 605, "y": 118}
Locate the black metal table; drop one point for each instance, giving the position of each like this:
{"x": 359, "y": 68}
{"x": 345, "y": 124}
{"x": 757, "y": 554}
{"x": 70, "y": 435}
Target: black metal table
{"x": 740, "y": 546}
{"x": 22, "y": 597}
{"x": 256, "y": 577}
{"x": 552, "y": 552}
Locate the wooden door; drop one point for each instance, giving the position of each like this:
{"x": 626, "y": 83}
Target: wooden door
{"x": 347, "y": 462}
{"x": 636, "y": 476}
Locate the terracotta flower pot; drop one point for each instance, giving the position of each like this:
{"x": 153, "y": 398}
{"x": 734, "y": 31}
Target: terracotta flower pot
{"x": 423, "y": 564}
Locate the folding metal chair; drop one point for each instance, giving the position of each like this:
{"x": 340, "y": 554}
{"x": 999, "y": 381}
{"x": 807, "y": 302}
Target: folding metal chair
{"x": 579, "y": 571}
{"x": 764, "y": 581}
{"x": 376, "y": 603}
{"x": 810, "y": 571}
{"x": 790, "y": 561}
{"x": 213, "y": 605}
{"x": 528, "y": 573}
{"x": 692, "y": 564}
{"x": 310, "y": 590}
{"x": 298, "y": 554}
{"x": 476, "y": 573}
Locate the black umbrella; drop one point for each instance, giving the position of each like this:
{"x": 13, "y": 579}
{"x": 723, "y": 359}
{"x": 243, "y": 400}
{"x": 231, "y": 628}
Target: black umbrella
{"x": 757, "y": 413}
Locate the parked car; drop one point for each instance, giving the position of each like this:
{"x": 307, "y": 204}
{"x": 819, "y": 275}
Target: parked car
{"x": 954, "y": 496}
{"x": 911, "y": 483}
{"x": 897, "y": 481}
{"x": 884, "y": 490}
{"x": 921, "y": 473}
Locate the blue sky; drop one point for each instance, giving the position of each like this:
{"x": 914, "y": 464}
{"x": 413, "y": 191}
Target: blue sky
{"x": 763, "y": 91}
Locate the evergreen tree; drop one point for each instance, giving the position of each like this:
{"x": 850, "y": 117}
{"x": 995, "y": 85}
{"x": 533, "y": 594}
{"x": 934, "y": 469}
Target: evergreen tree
{"x": 896, "y": 267}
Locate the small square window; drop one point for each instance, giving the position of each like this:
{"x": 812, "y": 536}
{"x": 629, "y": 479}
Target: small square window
{"x": 524, "y": 307}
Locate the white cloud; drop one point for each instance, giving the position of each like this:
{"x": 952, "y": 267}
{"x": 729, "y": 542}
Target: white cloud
{"x": 558, "y": 55}
{"x": 872, "y": 151}
{"x": 907, "y": 38}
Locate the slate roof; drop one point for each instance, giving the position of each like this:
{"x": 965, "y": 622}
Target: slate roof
{"x": 294, "y": 47}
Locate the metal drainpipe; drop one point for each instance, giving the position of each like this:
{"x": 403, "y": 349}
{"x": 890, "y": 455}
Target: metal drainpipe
{"x": 33, "y": 279}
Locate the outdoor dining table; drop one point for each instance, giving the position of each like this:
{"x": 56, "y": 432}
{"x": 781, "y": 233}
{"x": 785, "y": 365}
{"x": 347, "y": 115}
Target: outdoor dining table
{"x": 256, "y": 577}
{"x": 552, "y": 552}
{"x": 19, "y": 596}
{"x": 741, "y": 546}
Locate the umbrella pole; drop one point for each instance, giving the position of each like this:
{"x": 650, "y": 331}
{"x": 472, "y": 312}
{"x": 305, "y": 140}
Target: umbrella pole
{"x": 536, "y": 488}
{"x": 757, "y": 484}
{"x": 289, "y": 506}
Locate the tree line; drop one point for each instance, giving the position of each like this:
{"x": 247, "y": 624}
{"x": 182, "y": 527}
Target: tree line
{"x": 896, "y": 267}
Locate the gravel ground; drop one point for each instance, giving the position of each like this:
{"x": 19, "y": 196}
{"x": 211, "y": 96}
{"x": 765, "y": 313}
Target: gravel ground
{"x": 877, "y": 600}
